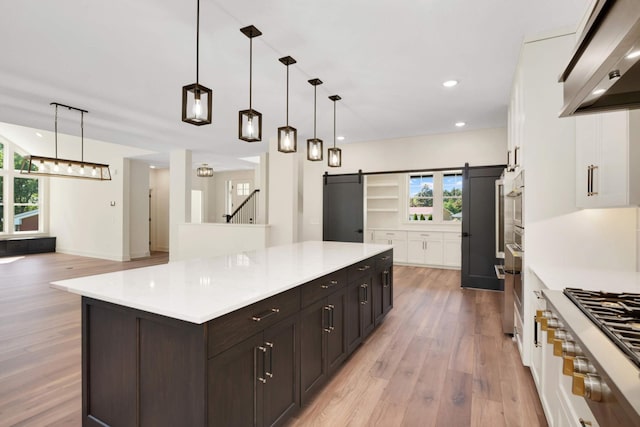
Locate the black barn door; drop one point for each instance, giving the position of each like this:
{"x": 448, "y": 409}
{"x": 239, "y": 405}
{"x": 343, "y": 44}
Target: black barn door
{"x": 479, "y": 227}
{"x": 342, "y": 208}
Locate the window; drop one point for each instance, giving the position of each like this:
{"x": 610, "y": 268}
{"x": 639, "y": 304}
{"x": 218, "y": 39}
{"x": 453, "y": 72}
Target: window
{"x": 20, "y": 196}
{"x": 242, "y": 188}
{"x": 452, "y": 196}
{"x": 420, "y": 197}
{"x": 435, "y": 196}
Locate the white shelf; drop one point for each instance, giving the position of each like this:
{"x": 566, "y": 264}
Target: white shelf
{"x": 383, "y": 184}
{"x": 382, "y": 210}
{"x": 382, "y": 197}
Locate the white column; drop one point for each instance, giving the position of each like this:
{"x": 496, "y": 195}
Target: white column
{"x": 179, "y": 196}
{"x": 283, "y": 195}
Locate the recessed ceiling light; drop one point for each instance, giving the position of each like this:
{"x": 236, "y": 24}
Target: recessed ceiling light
{"x": 460, "y": 124}
{"x": 450, "y": 83}
{"x": 152, "y": 166}
{"x": 38, "y": 134}
{"x": 633, "y": 54}
{"x": 340, "y": 138}
{"x": 599, "y": 91}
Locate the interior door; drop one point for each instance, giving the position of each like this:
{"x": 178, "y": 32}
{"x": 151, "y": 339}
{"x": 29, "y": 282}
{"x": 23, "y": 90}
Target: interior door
{"x": 343, "y": 215}
{"x": 478, "y": 227}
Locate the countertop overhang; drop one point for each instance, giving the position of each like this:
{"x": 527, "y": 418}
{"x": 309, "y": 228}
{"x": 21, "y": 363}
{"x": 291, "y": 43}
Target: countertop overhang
{"x": 202, "y": 289}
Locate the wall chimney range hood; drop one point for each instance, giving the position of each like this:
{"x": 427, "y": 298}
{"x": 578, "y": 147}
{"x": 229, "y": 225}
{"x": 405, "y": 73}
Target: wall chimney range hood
{"x": 604, "y": 71}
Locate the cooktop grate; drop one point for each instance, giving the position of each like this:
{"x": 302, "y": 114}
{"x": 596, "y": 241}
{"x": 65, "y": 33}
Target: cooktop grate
{"x": 616, "y": 314}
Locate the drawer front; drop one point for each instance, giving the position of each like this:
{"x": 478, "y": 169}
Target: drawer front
{"x": 236, "y": 326}
{"x": 384, "y": 260}
{"x": 323, "y": 287}
{"x": 453, "y": 236}
{"x": 425, "y": 235}
{"x": 361, "y": 268}
{"x": 390, "y": 235}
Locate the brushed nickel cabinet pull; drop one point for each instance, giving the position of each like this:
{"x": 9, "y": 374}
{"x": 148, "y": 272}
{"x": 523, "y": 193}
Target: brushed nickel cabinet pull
{"x": 536, "y": 343}
{"x": 331, "y": 283}
{"x": 588, "y": 180}
{"x": 262, "y": 378}
{"x": 364, "y": 267}
{"x": 331, "y": 324}
{"x": 593, "y": 170}
{"x": 269, "y": 346}
{"x": 326, "y": 309}
{"x": 384, "y": 258}
{"x": 265, "y": 314}
{"x": 385, "y": 279}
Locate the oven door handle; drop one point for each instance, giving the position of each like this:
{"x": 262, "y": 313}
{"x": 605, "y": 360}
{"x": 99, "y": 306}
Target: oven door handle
{"x": 499, "y": 271}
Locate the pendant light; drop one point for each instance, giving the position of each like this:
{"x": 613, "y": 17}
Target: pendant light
{"x": 54, "y": 166}
{"x": 197, "y": 99}
{"x": 250, "y": 121}
{"x": 204, "y": 171}
{"x": 314, "y": 145}
{"x": 334, "y": 154}
{"x": 287, "y": 135}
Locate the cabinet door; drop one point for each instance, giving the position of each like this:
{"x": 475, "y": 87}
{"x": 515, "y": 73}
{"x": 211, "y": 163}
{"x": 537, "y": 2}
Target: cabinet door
{"x": 399, "y": 249}
{"x": 611, "y": 177}
{"x": 366, "y": 305}
{"x": 415, "y": 251}
{"x": 313, "y": 371}
{"x": 452, "y": 252}
{"x": 336, "y": 337}
{"x": 387, "y": 289}
{"x": 280, "y": 398}
{"x": 433, "y": 252}
{"x": 354, "y": 319}
{"x": 376, "y": 289}
{"x": 235, "y": 385}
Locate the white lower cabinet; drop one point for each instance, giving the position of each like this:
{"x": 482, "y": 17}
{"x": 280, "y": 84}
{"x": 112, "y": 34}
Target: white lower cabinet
{"x": 428, "y": 248}
{"x": 397, "y": 238}
{"x": 425, "y": 247}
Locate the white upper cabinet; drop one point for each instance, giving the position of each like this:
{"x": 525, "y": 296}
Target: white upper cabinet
{"x": 607, "y": 148}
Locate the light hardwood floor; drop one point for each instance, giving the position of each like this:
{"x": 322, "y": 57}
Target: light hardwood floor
{"x": 438, "y": 359}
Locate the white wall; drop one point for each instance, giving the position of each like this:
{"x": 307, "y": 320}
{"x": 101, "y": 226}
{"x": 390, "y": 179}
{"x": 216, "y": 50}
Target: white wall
{"x": 478, "y": 148}
{"x": 211, "y": 240}
{"x": 283, "y": 195}
{"x": 138, "y": 209}
{"x": 159, "y": 186}
{"x": 180, "y": 173}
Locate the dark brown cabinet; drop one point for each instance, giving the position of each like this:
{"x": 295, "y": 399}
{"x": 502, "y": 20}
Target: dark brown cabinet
{"x": 382, "y": 287}
{"x": 323, "y": 345}
{"x": 254, "y": 366}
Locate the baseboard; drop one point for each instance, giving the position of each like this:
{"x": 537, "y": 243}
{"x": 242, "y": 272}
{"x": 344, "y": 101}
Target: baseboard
{"x": 141, "y": 255}
{"x": 92, "y": 255}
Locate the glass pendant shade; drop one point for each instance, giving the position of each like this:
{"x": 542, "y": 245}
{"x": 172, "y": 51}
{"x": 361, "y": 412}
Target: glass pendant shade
{"x": 335, "y": 157}
{"x": 250, "y": 121}
{"x": 287, "y": 139}
{"x": 204, "y": 171}
{"x": 196, "y": 104}
{"x": 314, "y": 149}
{"x": 250, "y": 125}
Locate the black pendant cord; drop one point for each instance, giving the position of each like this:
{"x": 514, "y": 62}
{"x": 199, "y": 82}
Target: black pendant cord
{"x": 197, "y": 41}
{"x": 315, "y": 90}
{"x": 287, "y": 96}
{"x": 56, "y": 130}
{"x": 334, "y": 124}
{"x": 250, "y": 70}
{"x": 82, "y": 136}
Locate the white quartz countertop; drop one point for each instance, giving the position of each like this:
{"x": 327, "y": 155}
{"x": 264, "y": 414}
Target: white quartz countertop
{"x": 558, "y": 278}
{"x": 202, "y": 289}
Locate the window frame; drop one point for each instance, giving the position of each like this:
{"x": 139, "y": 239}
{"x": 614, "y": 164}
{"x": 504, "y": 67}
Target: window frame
{"x": 438, "y": 197}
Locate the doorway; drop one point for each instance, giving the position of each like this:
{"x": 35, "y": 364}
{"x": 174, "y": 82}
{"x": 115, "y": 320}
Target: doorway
{"x": 343, "y": 215}
{"x": 237, "y": 191}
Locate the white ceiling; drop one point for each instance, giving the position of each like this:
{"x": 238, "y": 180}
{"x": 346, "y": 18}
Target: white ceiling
{"x": 126, "y": 62}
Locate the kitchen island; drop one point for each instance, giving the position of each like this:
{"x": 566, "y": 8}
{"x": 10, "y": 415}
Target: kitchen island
{"x": 242, "y": 339}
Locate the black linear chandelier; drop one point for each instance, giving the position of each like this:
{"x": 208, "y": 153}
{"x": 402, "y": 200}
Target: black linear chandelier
{"x": 314, "y": 145}
{"x": 55, "y": 166}
{"x": 287, "y": 135}
{"x": 334, "y": 154}
{"x": 197, "y": 99}
{"x": 250, "y": 121}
